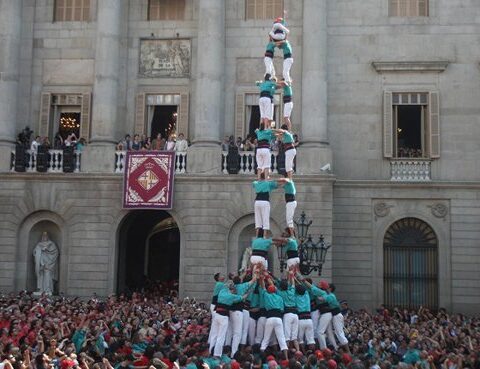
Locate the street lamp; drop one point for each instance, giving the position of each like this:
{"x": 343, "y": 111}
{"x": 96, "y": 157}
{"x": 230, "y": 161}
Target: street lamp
{"x": 312, "y": 254}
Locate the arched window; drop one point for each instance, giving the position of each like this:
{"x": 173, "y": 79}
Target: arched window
{"x": 410, "y": 260}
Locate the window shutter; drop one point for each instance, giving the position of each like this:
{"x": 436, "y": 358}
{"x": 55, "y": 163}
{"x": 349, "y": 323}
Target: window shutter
{"x": 140, "y": 114}
{"x": 183, "y": 110}
{"x": 45, "y": 108}
{"x": 239, "y": 115}
{"x": 434, "y": 124}
{"x": 387, "y": 125}
{"x": 85, "y": 116}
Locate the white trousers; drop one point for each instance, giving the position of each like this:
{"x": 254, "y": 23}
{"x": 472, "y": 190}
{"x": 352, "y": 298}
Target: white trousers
{"x": 245, "y": 325}
{"x": 252, "y": 331}
{"x": 260, "y": 329}
{"x": 256, "y": 259}
{"x": 290, "y": 211}
{"x": 212, "y": 310}
{"x": 287, "y": 65}
{"x": 236, "y": 324}
{"x": 290, "y": 325}
{"x": 331, "y": 336}
{"x": 274, "y": 326}
{"x": 292, "y": 262}
{"x": 323, "y": 323}
{"x": 219, "y": 332}
{"x": 265, "y": 104}
{"x": 262, "y": 214}
{"x": 263, "y": 158}
{"x": 289, "y": 156}
{"x": 305, "y": 331}
{"x": 269, "y": 68}
{"x": 315, "y": 318}
{"x": 287, "y": 109}
{"x": 338, "y": 325}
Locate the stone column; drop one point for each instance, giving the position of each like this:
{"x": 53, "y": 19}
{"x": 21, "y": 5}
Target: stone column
{"x": 314, "y": 151}
{"x": 204, "y": 156}
{"x": 99, "y": 154}
{"x": 10, "y": 34}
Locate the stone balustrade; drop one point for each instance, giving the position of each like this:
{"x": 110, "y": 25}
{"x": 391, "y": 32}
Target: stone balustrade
{"x": 54, "y": 163}
{"x": 180, "y": 161}
{"x": 245, "y": 163}
{"x": 410, "y": 170}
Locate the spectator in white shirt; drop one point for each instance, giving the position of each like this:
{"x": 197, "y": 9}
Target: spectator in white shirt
{"x": 35, "y": 144}
{"x": 181, "y": 145}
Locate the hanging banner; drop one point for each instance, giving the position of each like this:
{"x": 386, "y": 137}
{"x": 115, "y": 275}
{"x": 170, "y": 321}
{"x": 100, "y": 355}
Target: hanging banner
{"x": 148, "y": 180}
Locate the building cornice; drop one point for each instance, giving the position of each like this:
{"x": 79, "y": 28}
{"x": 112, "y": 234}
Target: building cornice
{"x": 410, "y": 66}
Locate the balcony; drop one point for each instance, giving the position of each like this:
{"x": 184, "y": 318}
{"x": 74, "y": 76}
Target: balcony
{"x": 180, "y": 161}
{"x": 410, "y": 170}
{"x": 54, "y": 162}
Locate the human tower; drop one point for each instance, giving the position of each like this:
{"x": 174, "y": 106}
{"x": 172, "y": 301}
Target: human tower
{"x": 255, "y": 307}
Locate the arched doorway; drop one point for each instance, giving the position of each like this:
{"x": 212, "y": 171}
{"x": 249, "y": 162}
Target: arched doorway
{"x": 149, "y": 251}
{"x": 410, "y": 265}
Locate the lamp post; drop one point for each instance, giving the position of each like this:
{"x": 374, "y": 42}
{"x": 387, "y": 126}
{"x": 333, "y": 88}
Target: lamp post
{"x": 312, "y": 254}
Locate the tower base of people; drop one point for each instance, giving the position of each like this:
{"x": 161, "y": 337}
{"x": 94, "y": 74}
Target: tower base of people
{"x": 98, "y": 157}
{"x": 204, "y": 159}
{"x": 311, "y": 158}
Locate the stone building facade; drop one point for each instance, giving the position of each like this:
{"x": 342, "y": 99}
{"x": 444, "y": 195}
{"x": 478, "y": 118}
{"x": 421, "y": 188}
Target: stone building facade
{"x": 363, "y": 74}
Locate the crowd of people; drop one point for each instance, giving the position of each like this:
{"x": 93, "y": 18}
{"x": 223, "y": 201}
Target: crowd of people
{"x": 152, "y": 330}
{"x": 143, "y": 143}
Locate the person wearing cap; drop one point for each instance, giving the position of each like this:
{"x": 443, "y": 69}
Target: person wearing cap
{"x": 305, "y": 324}
{"x": 274, "y": 307}
{"x": 226, "y": 298}
{"x": 286, "y": 290}
{"x": 337, "y": 319}
{"x": 288, "y": 144}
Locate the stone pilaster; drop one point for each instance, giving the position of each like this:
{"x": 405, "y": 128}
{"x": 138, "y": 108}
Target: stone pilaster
{"x": 205, "y": 154}
{"x": 99, "y": 154}
{"x": 314, "y": 151}
{"x": 10, "y": 34}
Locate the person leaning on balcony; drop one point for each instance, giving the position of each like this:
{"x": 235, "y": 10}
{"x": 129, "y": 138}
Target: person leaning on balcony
{"x": 35, "y": 144}
{"x": 182, "y": 144}
{"x": 158, "y": 143}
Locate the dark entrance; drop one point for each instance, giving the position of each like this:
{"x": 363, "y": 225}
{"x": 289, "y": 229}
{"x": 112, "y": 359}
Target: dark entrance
{"x": 164, "y": 120}
{"x": 410, "y": 277}
{"x": 149, "y": 251}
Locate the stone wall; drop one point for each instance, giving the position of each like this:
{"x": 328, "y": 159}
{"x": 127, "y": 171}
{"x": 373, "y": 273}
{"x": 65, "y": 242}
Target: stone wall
{"x": 210, "y": 213}
{"x": 358, "y": 233}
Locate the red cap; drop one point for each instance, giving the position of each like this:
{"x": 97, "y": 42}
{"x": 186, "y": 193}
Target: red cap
{"x": 278, "y": 20}
{"x": 235, "y": 365}
{"x": 323, "y": 285}
{"x": 270, "y": 358}
{"x": 271, "y": 289}
{"x": 332, "y": 364}
{"x": 327, "y": 352}
{"x": 319, "y": 354}
{"x": 346, "y": 359}
{"x": 67, "y": 364}
{"x": 284, "y": 363}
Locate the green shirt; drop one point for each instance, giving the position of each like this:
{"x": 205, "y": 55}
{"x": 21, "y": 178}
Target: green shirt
{"x": 287, "y": 138}
{"x": 264, "y": 134}
{"x": 268, "y": 86}
{"x": 272, "y": 300}
{"x": 225, "y": 297}
{"x": 262, "y": 244}
{"x": 218, "y": 287}
{"x": 264, "y": 186}
{"x": 288, "y": 296}
{"x": 291, "y": 245}
{"x": 287, "y": 48}
{"x": 289, "y": 188}
{"x": 411, "y": 356}
{"x": 287, "y": 90}
{"x": 328, "y": 297}
{"x": 302, "y": 302}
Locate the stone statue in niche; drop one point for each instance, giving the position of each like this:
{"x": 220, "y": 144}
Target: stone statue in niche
{"x": 45, "y": 256}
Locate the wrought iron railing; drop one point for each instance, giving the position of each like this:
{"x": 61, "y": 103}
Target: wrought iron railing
{"x": 410, "y": 170}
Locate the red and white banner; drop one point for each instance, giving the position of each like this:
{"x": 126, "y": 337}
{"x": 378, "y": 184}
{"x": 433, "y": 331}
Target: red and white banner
{"x": 148, "y": 180}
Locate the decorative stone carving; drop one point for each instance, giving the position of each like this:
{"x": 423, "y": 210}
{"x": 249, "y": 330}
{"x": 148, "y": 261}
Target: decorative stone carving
{"x": 164, "y": 58}
{"x": 439, "y": 210}
{"x": 381, "y": 209}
